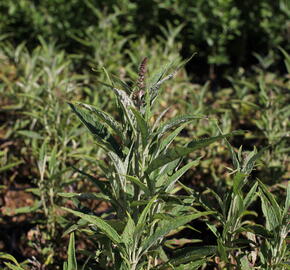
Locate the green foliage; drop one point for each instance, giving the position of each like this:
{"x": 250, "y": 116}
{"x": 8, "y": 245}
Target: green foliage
{"x": 139, "y": 162}
{"x": 71, "y": 263}
{"x": 220, "y": 30}
{"x": 158, "y": 175}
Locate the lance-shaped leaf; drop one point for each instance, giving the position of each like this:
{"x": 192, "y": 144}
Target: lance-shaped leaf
{"x": 251, "y": 196}
{"x": 169, "y": 139}
{"x": 189, "y": 254}
{"x": 176, "y": 121}
{"x": 105, "y": 139}
{"x": 238, "y": 182}
{"x": 172, "y": 179}
{"x": 169, "y": 226}
{"x": 85, "y": 196}
{"x": 137, "y": 181}
{"x": 160, "y": 116}
{"x": 154, "y": 88}
{"x": 142, "y": 126}
{"x": 252, "y": 158}
{"x": 106, "y": 228}
{"x": 179, "y": 152}
{"x": 125, "y": 101}
{"x": 127, "y": 235}
{"x": 5, "y": 256}
{"x": 119, "y": 166}
{"x": 270, "y": 208}
{"x": 102, "y": 185}
{"x": 106, "y": 118}
{"x": 143, "y": 216}
{"x": 71, "y": 254}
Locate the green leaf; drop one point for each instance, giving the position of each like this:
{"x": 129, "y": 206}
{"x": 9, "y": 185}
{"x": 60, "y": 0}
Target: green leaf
{"x": 176, "y": 121}
{"x": 219, "y": 200}
{"x": 258, "y": 230}
{"x": 179, "y": 152}
{"x": 169, "y": 139}
{"x": 108, "y": 119}
{"x": 136, "y": 181}
{"x": 172, "y": 179}
{"x": 272, "y": 221}
{"x": 28, "y": 209}
{"x": 222, "y": 251}
{"x": 6, "y": 256}
{"x": 142, "y": 125}
{"x": 70, "y": 229}
{"x": 126, "y": 103}
{"x": 286, "y": 57}
{"x": 29, "y": 134}
{"x": 52, "y": 160}
{"x": 100, "y": 223}
{"x": 213, "y": 229}
{"x": 13, "y": 267}
{"x": 188, "y": 254}
{"x": 102, "y": 185}
{"x": 251, "y": 196}
{"x": 143, "y": 216}
{"x": 127, "y": 235}
{"x": 169, "y": 226}
{"x": 251, "y": 159}
{"x": 120, "y": 167}
{"x": 160, "y": 116}
{"x": 10, "y": 165}
{"x": 85, "y": 196}
{"x": 71, "y": 254}
{"x": 238, "y": 182}
{"x": 270, "y": 207}
{"x": 104, "y": 138}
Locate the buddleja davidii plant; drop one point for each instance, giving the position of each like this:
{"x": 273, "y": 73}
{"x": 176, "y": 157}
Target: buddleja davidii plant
{"x": 231, "y": 210}
{"x": 274, "y": 251}
{"x": 141, "y": 171}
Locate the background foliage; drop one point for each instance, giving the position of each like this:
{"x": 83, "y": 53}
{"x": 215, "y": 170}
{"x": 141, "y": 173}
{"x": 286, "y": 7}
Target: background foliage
{"x": 55, "y": 51}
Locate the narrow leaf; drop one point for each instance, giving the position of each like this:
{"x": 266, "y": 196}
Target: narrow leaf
{"x": 100, "y": 223}
{"x": 172, "y": 179}
{"x": 251, "y": 196}
{"x": 169, "y": 139}
{"x": 169, "y": 226}
{"x": 104, "y": 138}
{"x": 176, "y": 121}
{"x": 136, "y": 181}
{"x": 143, "y": 216}
{"x": 179, "y": 152}
{"x": 71, "y": 254}
{"x": 127, "y": 235}
{"x": 29, "y": 134}
{"x": 188, "y": 254}
{"x": 142, "y": 125}
{"x": 238, "y": 182}
{"x": 108, "y": 119}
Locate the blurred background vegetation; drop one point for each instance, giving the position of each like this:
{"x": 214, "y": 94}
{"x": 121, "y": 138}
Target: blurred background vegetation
{"x": 52, "y": 51}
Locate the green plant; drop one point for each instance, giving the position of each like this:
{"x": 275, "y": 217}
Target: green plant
{"x": 231, "y": 210}
{"x": 11, "y": 263}
{"x": 39, "y": 132}
{"x": 274, "y": 249}
{"x": 141, "y": 171}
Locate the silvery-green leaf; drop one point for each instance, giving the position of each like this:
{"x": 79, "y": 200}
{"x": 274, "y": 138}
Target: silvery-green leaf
{"x": 100, "y": 223}
{"x": 178, "y": 152}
